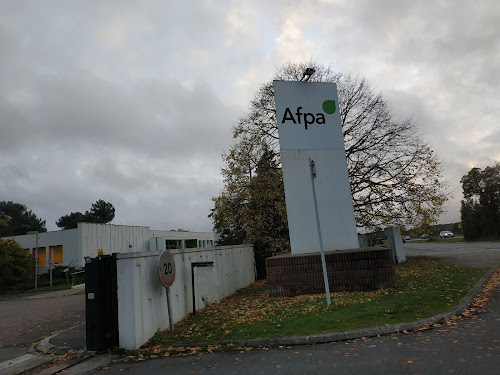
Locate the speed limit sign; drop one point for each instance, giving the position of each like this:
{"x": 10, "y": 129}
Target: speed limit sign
{"x": 166, "y": 268}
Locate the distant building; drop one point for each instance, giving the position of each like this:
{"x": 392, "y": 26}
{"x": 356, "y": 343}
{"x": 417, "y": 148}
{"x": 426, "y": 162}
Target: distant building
{"x": 70, "y": 247}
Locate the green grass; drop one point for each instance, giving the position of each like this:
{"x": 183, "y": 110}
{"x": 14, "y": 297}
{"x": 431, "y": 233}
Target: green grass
{"x": 424, "y": 288}
{"x": 50, "y": 288}
{"x": 28, "y": 285}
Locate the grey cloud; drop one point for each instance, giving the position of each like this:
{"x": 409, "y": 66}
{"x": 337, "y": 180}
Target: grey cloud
{"x": 134, "y": 103}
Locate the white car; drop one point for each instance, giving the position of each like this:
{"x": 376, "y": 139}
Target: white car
{"x": 445, "y": 234}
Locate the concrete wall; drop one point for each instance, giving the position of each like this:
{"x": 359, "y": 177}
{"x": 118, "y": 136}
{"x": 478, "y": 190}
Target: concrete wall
{"x": 395, "y": 243}
{"x": 142, "y": 302}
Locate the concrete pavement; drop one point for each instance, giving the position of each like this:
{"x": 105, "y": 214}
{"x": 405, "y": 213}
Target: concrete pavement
{"x": 27, "y": 318}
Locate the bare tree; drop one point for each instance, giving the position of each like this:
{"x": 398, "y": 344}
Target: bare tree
{"x": 395, "y": 176}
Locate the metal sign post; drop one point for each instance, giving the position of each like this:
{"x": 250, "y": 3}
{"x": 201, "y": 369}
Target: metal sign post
{"x": 169, "y": 306}
{"x": 322, "y": 251}
{"x": 35, "y": 232}
{"x": 166, "y": 271}
{"x": 50, "y": 261}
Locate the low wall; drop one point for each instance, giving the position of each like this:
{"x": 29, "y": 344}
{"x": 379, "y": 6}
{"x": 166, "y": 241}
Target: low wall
{"x": 350, "y": 270}
{"x": 142, "y": 301}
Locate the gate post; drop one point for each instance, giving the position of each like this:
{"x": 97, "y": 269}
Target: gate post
{"x": 101, "y": 302}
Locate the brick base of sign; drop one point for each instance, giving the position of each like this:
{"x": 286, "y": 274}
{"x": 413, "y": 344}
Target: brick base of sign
{"x": 350, "y": 270}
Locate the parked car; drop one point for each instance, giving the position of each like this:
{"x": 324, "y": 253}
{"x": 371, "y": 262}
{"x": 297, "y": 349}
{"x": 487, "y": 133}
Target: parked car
{"x": 424, "y": 236}
{"x": 407, "y": 238}
{"x": 446, "y": 234}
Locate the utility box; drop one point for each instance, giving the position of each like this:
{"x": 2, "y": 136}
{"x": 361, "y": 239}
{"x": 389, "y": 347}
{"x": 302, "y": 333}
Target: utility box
{"x": 101, "y": 302}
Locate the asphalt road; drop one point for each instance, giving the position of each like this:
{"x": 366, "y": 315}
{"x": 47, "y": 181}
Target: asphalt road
{"x": 26, "y": 319}
{"x": 468, "y": 347}
{"x": 471, "y": 254}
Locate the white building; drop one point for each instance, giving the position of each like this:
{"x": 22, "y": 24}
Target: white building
{"x": 70, "y": 247}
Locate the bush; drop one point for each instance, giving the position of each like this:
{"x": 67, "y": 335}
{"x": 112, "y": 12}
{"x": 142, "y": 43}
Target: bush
{"x": 16, "y": 264}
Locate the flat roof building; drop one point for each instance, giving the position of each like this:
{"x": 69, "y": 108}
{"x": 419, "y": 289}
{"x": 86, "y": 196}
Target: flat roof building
{"x": 70, "y": 247}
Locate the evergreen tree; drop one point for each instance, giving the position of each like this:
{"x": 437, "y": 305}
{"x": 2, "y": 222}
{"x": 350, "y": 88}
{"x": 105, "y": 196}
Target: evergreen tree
{"x": 481, "y": 205}
{"x": 16, "y": 219}
{"x": 101, "y": 212}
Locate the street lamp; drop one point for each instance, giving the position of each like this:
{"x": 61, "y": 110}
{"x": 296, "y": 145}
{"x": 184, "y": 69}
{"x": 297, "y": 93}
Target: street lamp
{"x": 307, "y": 74}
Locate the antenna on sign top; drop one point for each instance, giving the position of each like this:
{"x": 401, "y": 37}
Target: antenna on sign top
{"x": 307, "y": 74}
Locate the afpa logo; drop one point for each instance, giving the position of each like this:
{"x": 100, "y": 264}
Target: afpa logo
{"x": 309, "y": 118}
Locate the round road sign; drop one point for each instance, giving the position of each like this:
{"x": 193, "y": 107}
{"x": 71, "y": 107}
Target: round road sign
{"x": 166, "y": 268}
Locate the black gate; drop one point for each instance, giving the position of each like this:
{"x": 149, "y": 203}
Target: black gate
{"x": 101, "y": 302}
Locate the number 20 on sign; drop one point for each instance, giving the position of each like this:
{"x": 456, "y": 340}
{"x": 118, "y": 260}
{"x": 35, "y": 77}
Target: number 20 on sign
{"x": 166, "y": 268}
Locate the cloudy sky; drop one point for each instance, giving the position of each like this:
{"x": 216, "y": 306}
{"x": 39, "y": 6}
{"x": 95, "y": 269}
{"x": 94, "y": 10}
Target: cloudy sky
{"x": 133, "y": 101}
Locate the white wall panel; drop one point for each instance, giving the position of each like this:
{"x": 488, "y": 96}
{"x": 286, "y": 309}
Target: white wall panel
{"x": 112, "y": 238}
{"x": 142, "y": 303}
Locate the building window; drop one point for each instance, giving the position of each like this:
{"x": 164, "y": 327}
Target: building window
{"x": 191, "y": 244}
{"x": 42, "y": 256}
{"x": 173, "y": 244}
{"x": 56, "y": 253}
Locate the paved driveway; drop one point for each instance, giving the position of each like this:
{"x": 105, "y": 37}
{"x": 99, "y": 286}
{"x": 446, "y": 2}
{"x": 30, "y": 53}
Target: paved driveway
{"x": 472, "y": 254}
{"x": 27, "y": 319}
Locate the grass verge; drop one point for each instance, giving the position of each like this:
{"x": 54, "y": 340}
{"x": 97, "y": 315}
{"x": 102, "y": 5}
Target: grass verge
{"x": 437, "y": 240}
{"x": 28, "y": 286}
{"x": 50, "y": 288}
{"x": 424, "y": 288}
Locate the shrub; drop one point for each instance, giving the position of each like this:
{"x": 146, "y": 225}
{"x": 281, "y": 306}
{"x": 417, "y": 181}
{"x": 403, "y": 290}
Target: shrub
{"x": 16, "y": 264}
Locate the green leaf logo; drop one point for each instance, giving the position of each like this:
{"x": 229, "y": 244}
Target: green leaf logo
{"x": 329, "y": 106}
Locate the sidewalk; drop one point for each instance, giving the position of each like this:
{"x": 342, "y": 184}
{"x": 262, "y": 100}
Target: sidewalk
{"x": 72, "y": 339}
